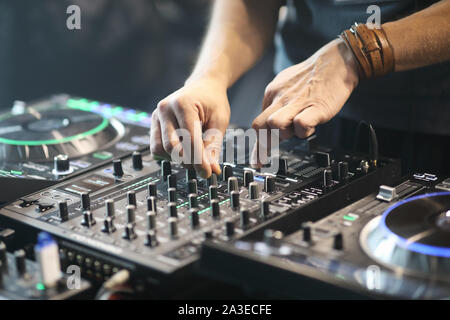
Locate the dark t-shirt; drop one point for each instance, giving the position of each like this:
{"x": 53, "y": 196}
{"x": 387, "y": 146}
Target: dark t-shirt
{"x": 416, "y": 100}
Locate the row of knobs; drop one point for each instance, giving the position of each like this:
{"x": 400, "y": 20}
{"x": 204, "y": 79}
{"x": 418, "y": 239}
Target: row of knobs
{"x": 136, "y": 160}
{"x": 20, "y": 259}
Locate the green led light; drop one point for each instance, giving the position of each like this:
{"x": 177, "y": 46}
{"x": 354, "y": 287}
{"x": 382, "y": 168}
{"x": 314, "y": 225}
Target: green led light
{"x": 116, "y": 110}
{"x": 40, "y": 286}
{"x": 204, "y": 210}
{"x": 346, "y": 217}
{"x": 16, "y": 172}
{"x": 95, "y": 130}
{"x": 102, "y": 155}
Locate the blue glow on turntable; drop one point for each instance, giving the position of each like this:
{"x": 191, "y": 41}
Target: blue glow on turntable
{"x": 414, "y": 246}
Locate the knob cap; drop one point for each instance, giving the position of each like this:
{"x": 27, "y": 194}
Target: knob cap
{"x": 269, "y": 184}
{"x": 21, "y": 265}
{"x": 171, "y": 181}
{"x": 136, "y": 159}
{"x": 343, "y": 170}
{"x": 253, "y": 191}
{"x": 272, "y": 237}
{"x": 131, "y": 198}
{"x": 306, "y": 231}
{"x": 151, "y": 204}
{"x": 108, "y": 225}
{"x": 172, "y": 208}
{"x": 213, "y": 192}
{"x": 245, "y": 218}
{"x": 128, "y": 232}
{"x": 282, "y": 166}
{"x": 212, "y": 180}
{"x": 233, "y": 184}
{"x": 3, "y": 257}
{"x": 85, "y": 201}
{"x": 166, "y": 169}
{"x": 173, "y": 228}
{"x": 215, "y": 209}
{"x": 193, "y": 201}
{"x": 192, "y": 186}
{"x": 327, "y": 178}
{"x": 117, "y": 168}
{"x": 227, "y": 172}
{"x": 229, "y": 229}
{"x": 195, "y": 220}
{"x": 265, "y": 208}
{"x": 172, "y": 195}
{"x": 88, "y": 219}
{"x": 110, "y": 210}
{"x": 151, "y": 240}
{"x": 248, "y": 177}
{"x": 63, "y": 211}
{"x": 234, "y": 200}
{"x": 191, "y": 174}
{"x": 131, "y": 214}
{"x": 61, "y": 164}
{"x": 152, "y": 190}
{"x": 338, "y": 241}
{"x": 151, "y": 220}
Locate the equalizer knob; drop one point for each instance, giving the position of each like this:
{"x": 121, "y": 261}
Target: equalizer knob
{"x": 282, "y": 166}
{"x": 172, "y": 195}
{"x": 193, "y": 201}
{"x": 192, "y": 186}
{"x": 269, "y": 184}
{"x": 338, "y": 241}
{"x": 245, "y": 218}
{"x": 212, "y": 193}
{"x": 215, "y": 209}
{"x": 343, "y": 170}
{"x": 110, "y": 210}
{"x": 136, "y": 159}
{"x": 151, "y": 204}
{"x": 227, "y": 172}
{"x": 265, "y": 203}
{"x": 131, "y": 214}
{"x": 171, "y": 181}
{"x": 327, "y": 178}
{"x": 3, "y": 257}
{"x": 21, "y": 264}
{"x": 233, "y": 184}
{"x": 63, "y": 211}
{"x": 253, "y": 191}
{"x": 166, "y": 169}
{"x": 229, "y": 229}
{"x": 128, "y": 232}
{"x": 248, "y": 177}
{"x": 195, "y": 220}
{"x": 131, "y": 198}
{"x": 172, "y": 210}
{"x": 108, "y": 225}
{"x": 173, "y": 228}
{"x": 117, "y": 168}
{"x": 152, "y": 190}
{"x": 88, "y": 219}
{"x": 306, "y": 232}
{"x": 61, "y": 165}
{"x": 234, "y": 200}
{"x": 151, "y": 240}
{"x": 85, "y": 201}
{"x": 191, "y": 174}
{"x": 151, "y": 220}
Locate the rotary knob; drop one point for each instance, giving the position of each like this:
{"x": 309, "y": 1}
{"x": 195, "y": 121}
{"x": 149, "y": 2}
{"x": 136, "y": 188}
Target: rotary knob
{"x": 166, "y": 169}
{"x": 253, "y": 191}
{"x": 233, "y": 184}
{"x": 110, "y": 210}
{"x": 172, "y": 210}
{"x": 193, "y": 201}
{"x": 212, "y": 180}
{"x": 282, "y": 166}
{"x": 88, "y": 219}
{"x": 63, "y": 211}
{"x": 265, "y": 203}
{"x": 248, "y": 177}
{"x": 131, "y": 198}
{"x": 136, "y": 159}
{"x": 269, "y": 184}
{"x": 129, "y": 233}
{"x": 195, "y": 220}
{"x": 152, "y": 190}
{"x": 151, "y": 240}
{"x": 172, "y": 194}
{"x": 61, "y": 165}
{"x": 21, "y": 264}
{"x": 227, "y": 172}
{"x": 108, "y": 225}
{"x": 215, "y": 209}
{"x": 151, "y": 204}
{"x": 85, "y": 201}
{"x": 234, "y": 200}
{"x": 173, "y": 228}
{"x": 245, "y": 218}
{"x": 191, "y": 174}
{"x": 192, "y": 186}
{"x": 171, "y": 181}
{"x": 131, "y": 214}
{"x": 212, "y": 193}
{"x": 151, "y": 220}
{"x": 117, "y": 168}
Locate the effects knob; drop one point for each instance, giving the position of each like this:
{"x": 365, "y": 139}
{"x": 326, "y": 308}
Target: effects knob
{"x": 88, "y": 219}
{"x": 61, "y": 165}
{"x": 269, "y": 184}
{"x": 110, "y": 209}
{"x": 234, "y": 200}
{"x": 245, "y": 218}
{"x": 215, "y": 209}
{"x": 166, "y": 169}
{"x": 136, "y": 159}
{"x": 150, "y": 239}
{"x": 233, "y": 184}
{"x": 265, "y": 203}
{"x": 248, "y": 177}
{"x": 117, "y": 168}
{"x": 131, "y": 198}
{"x": 253, "y": 191}
{"x": 152, "y": 190}
{"x": 128, "y": 232}
{"x": 108, "y": 225}
{"x": 63, "y": 211}
{"x": 85, "y": 201}
{"x": 227, "y": 172}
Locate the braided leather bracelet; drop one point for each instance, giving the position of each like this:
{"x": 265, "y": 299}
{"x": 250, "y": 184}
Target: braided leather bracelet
{"x": 371, "y": 49}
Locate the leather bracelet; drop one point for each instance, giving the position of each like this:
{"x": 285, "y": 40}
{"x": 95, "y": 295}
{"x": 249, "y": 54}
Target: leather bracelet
{"x": 371, "y": 49}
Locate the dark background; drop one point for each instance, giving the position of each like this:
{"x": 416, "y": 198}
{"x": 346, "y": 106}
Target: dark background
{"x": 132, "y": 52}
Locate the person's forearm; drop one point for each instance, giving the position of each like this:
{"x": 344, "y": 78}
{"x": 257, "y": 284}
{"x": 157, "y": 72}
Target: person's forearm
{"x": 422, "y": 38}
{"x": 238, "y": 33}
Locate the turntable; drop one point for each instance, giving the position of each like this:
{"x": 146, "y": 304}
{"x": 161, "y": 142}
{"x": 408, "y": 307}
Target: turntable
{"x": 56, "y": 138}
{"x": 394, "y": 243}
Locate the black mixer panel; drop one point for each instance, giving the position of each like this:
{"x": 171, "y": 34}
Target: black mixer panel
{"x": 392, "y": 243}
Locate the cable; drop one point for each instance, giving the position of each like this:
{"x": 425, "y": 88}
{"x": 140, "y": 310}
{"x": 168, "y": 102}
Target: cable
{"x": 373, "y": 141}
{"x": 114, "y": 285}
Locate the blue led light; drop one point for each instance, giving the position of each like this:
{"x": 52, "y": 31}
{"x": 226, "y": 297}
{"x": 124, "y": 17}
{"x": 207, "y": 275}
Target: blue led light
{"x": 414, "y": 246}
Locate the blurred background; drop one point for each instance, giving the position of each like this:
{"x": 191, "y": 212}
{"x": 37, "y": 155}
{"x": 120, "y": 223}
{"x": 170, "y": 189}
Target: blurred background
{"x": 129, "y": 52}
